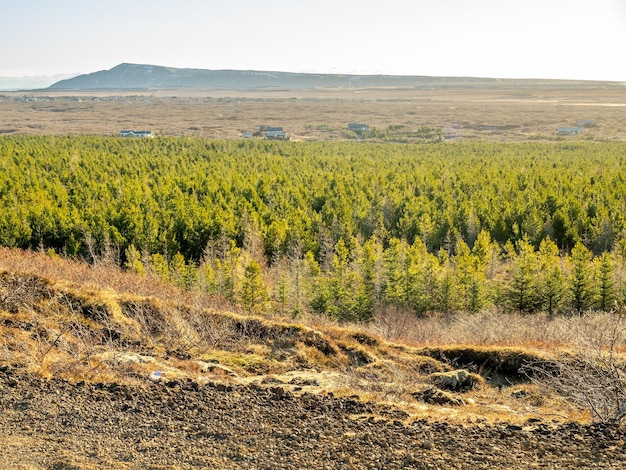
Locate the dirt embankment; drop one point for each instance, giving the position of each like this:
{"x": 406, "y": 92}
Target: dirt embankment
{"x": 52, "y": 424}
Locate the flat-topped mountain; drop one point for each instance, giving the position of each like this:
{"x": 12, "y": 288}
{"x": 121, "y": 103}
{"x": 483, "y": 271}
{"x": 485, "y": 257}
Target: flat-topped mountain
{"x": 137, "y": 77}
{"x": 134, "y": 76}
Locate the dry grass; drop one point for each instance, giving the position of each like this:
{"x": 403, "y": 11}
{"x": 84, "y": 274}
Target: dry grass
{"x": 323, "y": 114}
{"x": 64, "y": 318}
{"x": 492, "y": 328}
{"x": 101, "y": 276}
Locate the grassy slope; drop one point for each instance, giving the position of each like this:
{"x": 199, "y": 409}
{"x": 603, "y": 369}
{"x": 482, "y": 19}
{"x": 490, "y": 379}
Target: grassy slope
{"x": 64, "y": 318}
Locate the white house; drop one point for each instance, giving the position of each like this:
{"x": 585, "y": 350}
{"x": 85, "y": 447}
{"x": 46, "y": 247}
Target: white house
{"x": 569, "y": 131}
{"x": 129, "y": 133}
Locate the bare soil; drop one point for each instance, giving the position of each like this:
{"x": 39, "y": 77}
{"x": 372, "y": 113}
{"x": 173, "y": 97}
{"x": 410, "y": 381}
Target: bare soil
{"x": 53, "y": 424}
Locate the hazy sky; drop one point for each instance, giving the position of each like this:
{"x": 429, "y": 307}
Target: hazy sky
{"x": 482, "y": 38}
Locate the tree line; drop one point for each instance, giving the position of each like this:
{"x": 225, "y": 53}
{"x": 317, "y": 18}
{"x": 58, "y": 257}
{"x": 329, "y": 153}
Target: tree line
{"x": 355, "y": 282}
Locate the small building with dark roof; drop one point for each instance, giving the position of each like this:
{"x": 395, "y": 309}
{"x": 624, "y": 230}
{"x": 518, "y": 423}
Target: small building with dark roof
{"x": 569, "y": 131}
{"x": 130, "y": 133}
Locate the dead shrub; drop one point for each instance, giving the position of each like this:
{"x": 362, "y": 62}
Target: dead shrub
{"x": 18, "y": 291}
{"x": 593, "y": 374}
{"x": 393, "y": 322}
{"x": 151, "y": 320}
{"x": 214, "y": 331}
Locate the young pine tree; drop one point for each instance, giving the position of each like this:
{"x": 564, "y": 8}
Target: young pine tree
{"x": 396, "y": 275}
{"x": 604, "y": 277}
{"x": 470, "y": 277}
{"x": 522, "y": 293}
{"x": 133, "y": 261}
{"x": 551, "y": 279}
{"x": 580, "y": 281}
{"x": 182, "y": 274}
{"x": 446, "y": 297}
{"x": 253, "y": 295}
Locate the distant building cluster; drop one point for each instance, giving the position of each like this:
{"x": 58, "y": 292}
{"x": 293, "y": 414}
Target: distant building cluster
{"x": 278, "y": 133}
{"x": 130, "y": 133}
{"x": 569, "y": 131}
{"x": 581, "y": 124}
{"x": 269, "y": 133}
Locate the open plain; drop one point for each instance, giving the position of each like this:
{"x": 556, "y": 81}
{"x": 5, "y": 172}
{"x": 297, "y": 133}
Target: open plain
{"x": 512, "y": 112}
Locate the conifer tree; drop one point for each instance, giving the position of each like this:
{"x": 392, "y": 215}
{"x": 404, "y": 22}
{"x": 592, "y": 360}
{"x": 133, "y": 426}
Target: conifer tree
{"x": 253, "y": 293}
{"x": 133, "y": 261}
{"x": 619, "y": 254}
{"x": 282, "y": 292}
{"x": 224, "y": 260}
{"x": 158, "y": 266}
{"x": 470, "y": 278}
{"x": 182, "y": 274}
{"x": 581, "y": 279}
{"x": 446, "y": 297}
{"x": 206, "y": 277}
{"x": 604, "y": 274}
{"x": 424, "y": 274}
{"x": 551, "y": 280}
{"x": 297, "y": 276}
{"x": 371, "y": 267}
{"x": 523, "y": 291}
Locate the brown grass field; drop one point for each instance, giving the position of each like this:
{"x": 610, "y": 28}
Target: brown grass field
{"x": 71, "y": 320}
{"x": 68, "y": 319}
{"x": 508, "y": 113}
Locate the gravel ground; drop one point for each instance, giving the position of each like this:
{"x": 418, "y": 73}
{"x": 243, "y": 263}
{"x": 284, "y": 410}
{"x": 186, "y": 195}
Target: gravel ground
{"x": 53, "y": 424}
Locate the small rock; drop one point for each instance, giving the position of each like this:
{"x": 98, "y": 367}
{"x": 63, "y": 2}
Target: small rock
{"x": 427, "y": 444}
{"x": 435, "y": 396}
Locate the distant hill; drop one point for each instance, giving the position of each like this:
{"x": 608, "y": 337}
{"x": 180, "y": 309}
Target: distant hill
{"x": 134, "y": 76}
{"x": 140, "y": 77}
{"x": 30, "y": 82}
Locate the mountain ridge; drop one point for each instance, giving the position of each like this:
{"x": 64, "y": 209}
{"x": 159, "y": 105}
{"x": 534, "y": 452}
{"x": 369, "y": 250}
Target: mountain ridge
{"x": 127, "y": 76}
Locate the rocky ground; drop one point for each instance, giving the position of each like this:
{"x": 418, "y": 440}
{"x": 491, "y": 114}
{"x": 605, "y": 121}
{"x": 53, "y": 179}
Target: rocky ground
{"x": 53, "y": 424}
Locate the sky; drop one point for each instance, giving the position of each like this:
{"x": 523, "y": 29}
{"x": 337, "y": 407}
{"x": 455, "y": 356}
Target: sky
{"x": 566, "y": 39}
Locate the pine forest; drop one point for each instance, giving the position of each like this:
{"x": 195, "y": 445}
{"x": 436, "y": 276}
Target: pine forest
{"x": 342, "y": 229}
